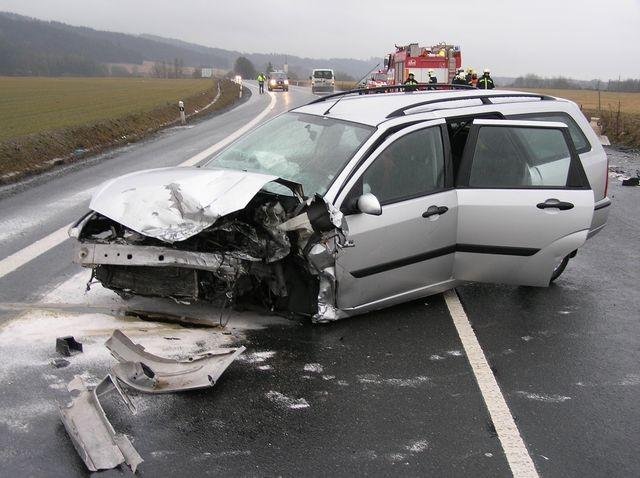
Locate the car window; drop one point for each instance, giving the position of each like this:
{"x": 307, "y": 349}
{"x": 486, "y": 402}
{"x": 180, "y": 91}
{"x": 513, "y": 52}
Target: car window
{"x": 411, "y": 166}
{"x": 326, "y": 74}
{"x": 515, "y": 157}
{"x": 306, "y": 149}
{"x": 579, "y": 139}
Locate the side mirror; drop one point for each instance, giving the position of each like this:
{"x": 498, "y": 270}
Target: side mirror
{"x": 369, "y": 204}
{"x": 309, "y": 77}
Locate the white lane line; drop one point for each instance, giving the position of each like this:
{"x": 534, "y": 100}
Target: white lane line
{"x": 23, "y": 256}
{"x": 514, "y": 448}
{"x": 20, "y": 258}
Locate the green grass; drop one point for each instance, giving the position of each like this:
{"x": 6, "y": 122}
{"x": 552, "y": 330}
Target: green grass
{"x": 36, "y": 105}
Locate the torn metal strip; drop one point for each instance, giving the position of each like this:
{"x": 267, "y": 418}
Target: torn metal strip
{"x": 150, "y": 373}
{"x": 95, "y": 440}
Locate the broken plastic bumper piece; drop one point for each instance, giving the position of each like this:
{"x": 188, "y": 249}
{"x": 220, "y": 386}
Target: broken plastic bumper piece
{"x": 95, "y": 440}
{"x": 149, "y": 373}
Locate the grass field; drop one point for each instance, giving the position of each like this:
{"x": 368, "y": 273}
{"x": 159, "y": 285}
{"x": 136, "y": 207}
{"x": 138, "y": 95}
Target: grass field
{"x": 34, "y": 105}
{"x": 45, "y": 122}
{"x": 588, "y": 99}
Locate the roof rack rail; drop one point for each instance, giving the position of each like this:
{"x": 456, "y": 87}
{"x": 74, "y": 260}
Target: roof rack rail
{"x": 486, "y": 99}
{"x": 394, "y": 89}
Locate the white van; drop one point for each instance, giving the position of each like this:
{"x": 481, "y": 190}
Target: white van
{"x": 322, "y": 80}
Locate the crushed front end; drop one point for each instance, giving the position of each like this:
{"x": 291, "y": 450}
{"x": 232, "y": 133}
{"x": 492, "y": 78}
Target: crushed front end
{"x": 268, "y": 251}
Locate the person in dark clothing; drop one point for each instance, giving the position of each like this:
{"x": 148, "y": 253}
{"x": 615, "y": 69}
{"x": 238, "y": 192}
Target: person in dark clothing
{"x": 411, "y": 83}
{"x": 469, "y": 75}
{"x": 485, "y": 82}
{"x": 459, "y": 79}
{"x": 432, "y": 80}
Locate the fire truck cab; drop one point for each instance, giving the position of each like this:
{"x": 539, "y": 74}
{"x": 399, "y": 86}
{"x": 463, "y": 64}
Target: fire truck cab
{"x": 443, "y": 59}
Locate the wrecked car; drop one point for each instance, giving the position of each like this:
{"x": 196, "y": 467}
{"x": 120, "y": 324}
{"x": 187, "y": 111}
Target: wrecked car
{"x": 357, "y": 202}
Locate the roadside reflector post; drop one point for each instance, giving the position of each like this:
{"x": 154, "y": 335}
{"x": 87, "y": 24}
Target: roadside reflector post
{"x": 183, "y": 119}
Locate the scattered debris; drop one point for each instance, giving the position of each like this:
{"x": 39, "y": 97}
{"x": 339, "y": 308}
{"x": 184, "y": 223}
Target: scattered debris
{"x": 152, "y": 374}
{"x": 59, "y": 362}
{"x": 313, "y": 367}
{"x": 287, "y": 402}
{"x": 97, "y": 443}
{"x": 66, "y": 345}
{"x": 539, "y": 397}
{"x": 632, "y": 181}
{"x": 95, "y": 440}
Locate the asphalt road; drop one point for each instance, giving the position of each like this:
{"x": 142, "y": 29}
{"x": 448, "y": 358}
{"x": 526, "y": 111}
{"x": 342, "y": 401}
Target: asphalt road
{"x": 385, "y": 394}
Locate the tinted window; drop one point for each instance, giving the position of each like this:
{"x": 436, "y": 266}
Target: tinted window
{"x": 411, "y": 166}
{"x": 513, "y": 157}
{"x": 579, "y": 139}
{"x": 326, "y": 74}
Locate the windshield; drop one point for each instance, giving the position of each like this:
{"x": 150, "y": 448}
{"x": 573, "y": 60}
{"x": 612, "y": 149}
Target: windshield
{"x": 380, "y": 77}
{"x": 326, "y": 74}
{"x": 278, "y": 75}
{"x": 307, "y": 149}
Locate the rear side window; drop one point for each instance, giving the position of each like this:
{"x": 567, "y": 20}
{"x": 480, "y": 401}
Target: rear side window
{"x": 412, "y": 166}
{"x": 579, "y": 139}
{"x": 520, "y": 157}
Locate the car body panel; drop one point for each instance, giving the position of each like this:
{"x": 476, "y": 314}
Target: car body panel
{"x": 173, "y": 204}
{"x": 399, "y": 252}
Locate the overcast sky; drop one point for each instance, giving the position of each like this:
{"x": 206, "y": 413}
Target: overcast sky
{"x": 578, "y": 38}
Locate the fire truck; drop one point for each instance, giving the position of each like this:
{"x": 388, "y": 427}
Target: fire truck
{"x": 443, "y": 59}
{"x": 379, "y": 78}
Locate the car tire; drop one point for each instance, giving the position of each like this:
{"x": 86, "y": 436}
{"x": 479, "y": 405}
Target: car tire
{"x": 557, "y": 272}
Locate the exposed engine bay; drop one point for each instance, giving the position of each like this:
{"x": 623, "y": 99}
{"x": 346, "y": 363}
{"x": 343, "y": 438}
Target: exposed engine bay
{"x": 275, "y": 254}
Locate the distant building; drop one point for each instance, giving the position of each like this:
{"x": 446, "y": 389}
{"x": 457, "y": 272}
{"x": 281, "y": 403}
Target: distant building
{"x": 207, "y": 73}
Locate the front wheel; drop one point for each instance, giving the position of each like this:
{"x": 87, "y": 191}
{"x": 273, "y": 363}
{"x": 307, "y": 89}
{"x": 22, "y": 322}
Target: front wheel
{"x": 559, "y": 269}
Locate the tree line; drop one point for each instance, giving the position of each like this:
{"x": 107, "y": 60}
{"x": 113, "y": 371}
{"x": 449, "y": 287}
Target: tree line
{"x": 562, "y": 83}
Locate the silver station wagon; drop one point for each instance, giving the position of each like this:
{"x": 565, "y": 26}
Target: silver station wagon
{"x": 357, "y": 202}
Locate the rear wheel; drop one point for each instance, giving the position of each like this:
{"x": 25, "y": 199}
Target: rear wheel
{"x": 559, "y": 269}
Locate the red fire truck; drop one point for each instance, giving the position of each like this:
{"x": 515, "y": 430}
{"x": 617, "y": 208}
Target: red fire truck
{"x": 443, "y": 59}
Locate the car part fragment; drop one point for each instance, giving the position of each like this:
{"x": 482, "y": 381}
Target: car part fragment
{"x": 95, "y": 440}
{"x": 66, "y": 345}
{"x": 150, "y": 373}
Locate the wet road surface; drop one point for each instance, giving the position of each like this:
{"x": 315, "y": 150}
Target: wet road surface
{"x": 385, "y": 394}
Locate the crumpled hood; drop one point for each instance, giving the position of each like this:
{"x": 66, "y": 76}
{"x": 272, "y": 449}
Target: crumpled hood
{"x": 173, "y": 204}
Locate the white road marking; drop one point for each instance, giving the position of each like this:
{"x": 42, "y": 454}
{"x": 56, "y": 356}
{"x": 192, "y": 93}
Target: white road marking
{"x": 36, "y": 249}
{"x": 514, "y": 448}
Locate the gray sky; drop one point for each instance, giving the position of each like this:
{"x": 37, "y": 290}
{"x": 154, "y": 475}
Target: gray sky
{"x": 578, "y": 38}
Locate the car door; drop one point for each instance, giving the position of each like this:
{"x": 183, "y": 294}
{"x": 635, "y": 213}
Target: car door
{"x": 524, "y": 202}
{"x": 408, "y": 249}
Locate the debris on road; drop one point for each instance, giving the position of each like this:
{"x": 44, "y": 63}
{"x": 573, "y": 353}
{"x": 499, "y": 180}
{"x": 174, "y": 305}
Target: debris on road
{"x": 632, "y": 181}
{"x": 95, "y": 440}
{"x": 66, "y": 345}
{"x": 149, "y": 373}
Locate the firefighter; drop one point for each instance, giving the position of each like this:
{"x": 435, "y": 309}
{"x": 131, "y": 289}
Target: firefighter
{"x": 474, "y": 80}
{"x": 456, "y": 79}
{"x": 432, "y": 80}
{"x": 411, "y": 82}
{"x": 459, "y": 79}
{"x": 485, "y": 82}
{"x": 261, "y": 79}
{"x": 469, "y": 75}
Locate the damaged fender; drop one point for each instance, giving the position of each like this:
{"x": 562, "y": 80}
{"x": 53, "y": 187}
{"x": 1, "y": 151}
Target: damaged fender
{"x": 150, "y": 373}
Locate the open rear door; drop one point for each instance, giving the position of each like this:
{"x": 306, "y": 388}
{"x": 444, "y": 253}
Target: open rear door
{"x": 524, "y": 202}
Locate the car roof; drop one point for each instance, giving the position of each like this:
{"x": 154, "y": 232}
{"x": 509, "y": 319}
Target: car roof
{"x": 373, "y": 109}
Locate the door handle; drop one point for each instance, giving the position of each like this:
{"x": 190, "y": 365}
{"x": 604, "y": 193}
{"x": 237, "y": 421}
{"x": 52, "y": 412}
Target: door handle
{"x": 549, "y": 203}
{"x": 435, "y": 210}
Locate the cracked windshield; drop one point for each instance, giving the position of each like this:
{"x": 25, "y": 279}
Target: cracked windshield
{"x": 309, "y": 150}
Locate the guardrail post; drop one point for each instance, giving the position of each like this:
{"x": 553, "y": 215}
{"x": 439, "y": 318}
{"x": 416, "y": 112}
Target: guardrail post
{"x": 183, "y": 119}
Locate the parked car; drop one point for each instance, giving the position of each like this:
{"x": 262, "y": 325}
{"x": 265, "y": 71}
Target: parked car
{"x": 322, "y": 81}
{"x": 278, "y": 80}
{"x": 357, "y": 202}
